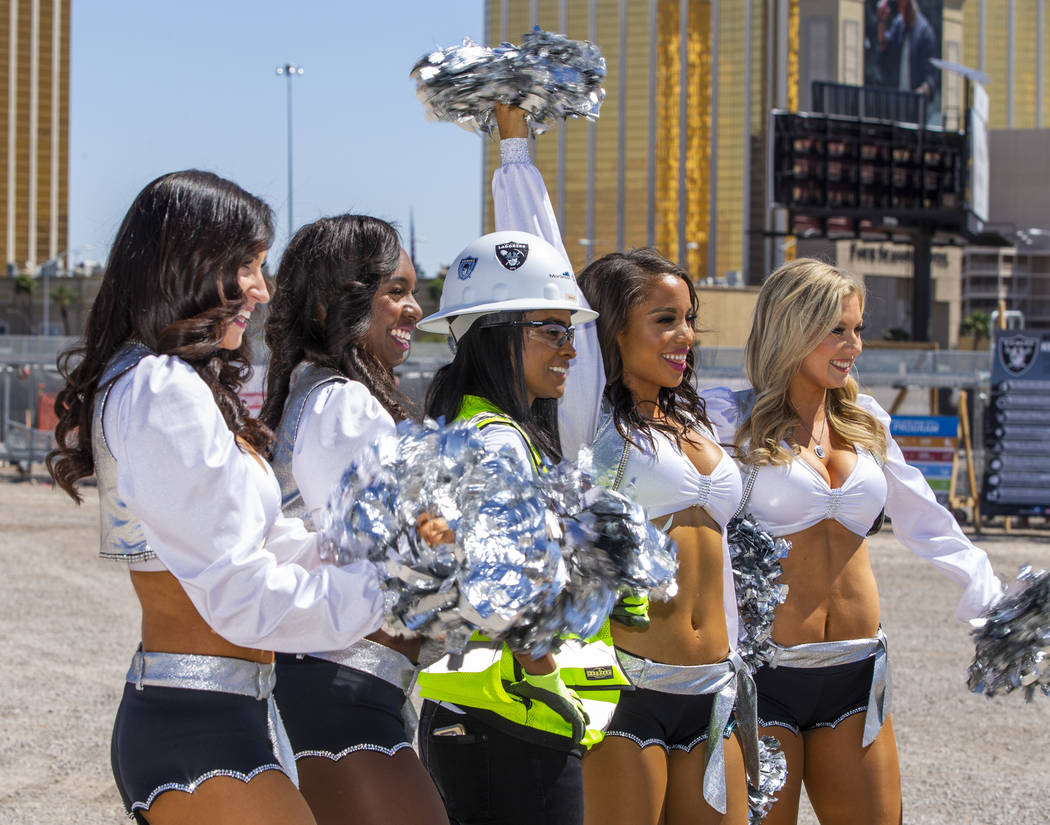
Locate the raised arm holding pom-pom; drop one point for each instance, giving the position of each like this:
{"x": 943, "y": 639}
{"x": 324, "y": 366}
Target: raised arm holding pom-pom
{"x": 646, "y": 328}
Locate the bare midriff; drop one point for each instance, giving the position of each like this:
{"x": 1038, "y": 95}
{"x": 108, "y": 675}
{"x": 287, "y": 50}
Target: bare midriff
{"x": 409, "y": 648}
{"x": 689, "y": 629}
{"x": 171, "y": 624}
{"x": 832, "y": 594}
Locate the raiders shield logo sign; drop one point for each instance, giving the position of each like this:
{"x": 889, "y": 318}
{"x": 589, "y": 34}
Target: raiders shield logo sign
{"x": 512, "y": 255}
{"x": 1017, "y": 352}
{"x": 466, "y": 266}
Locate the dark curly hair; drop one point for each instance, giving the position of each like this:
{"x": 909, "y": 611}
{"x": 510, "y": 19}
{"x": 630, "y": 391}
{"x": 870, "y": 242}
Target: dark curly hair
{"x": 614, "y": 285}
{"x": 171, "y": 284}
{"x": 488, "y": 363}
{"x": 322, "y": 308}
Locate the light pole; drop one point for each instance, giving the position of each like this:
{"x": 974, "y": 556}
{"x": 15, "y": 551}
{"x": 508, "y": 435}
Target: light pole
{"x": 291, "y": 70}
{"x": 590, "y": 244}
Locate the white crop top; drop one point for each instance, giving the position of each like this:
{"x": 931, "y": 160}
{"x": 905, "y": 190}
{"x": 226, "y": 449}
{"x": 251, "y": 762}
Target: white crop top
{"x": 789, "y": 497}
{"x": 339, "y": 422}
{"x": 212, "y": 514}
{"x": 520, "y": 201}
{"x": 663, "y": 480}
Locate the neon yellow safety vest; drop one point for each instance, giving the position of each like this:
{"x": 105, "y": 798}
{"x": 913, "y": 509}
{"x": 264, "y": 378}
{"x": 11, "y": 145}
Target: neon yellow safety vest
{"x": 478, "y": 678}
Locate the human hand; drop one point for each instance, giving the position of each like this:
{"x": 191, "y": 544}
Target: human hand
{"x": 510, "y": 120}
{"x": 434, "y": 530}
{"x": 632, "y": 610}
{"x": 550, "y": 690}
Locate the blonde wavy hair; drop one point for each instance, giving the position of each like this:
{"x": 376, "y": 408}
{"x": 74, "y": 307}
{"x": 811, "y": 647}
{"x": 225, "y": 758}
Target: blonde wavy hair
{"x": 800, "y": 303}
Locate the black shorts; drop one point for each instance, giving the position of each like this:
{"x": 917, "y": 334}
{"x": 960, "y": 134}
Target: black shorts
{"x": 673, "y": 721}
{"x": 485, "y": 775}
{"x": 168, "y": 738}
{"x": 806, "y": 698}
{"x": 333, "y": 710}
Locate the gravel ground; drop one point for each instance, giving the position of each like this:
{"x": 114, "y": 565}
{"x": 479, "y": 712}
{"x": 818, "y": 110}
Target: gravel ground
{"x": 70, "y": 624}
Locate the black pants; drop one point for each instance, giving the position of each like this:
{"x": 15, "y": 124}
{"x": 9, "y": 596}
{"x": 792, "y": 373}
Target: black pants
{"x": 488, "y": 777}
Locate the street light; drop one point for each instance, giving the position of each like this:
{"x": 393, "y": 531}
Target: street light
{"x": 290, "y": 70}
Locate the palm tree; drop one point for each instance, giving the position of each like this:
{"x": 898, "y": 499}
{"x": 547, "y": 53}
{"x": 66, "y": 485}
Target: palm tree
{"x": 25, "y": 285}
{"x": 63, "y": 297}
{"x": 978, "y": 324}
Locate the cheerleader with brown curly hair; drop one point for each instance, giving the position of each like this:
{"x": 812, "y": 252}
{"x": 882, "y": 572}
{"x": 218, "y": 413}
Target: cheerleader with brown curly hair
{"x": 150, "y": 407}
{"x": 341, "y": 320}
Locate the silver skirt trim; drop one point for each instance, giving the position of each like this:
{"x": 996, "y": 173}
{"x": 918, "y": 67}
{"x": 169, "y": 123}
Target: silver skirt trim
{"x": 220, "y": 674}
{"x": 848, "y": 651}
{"x": 730, "y": 680}
{"x": 379, "y": 660}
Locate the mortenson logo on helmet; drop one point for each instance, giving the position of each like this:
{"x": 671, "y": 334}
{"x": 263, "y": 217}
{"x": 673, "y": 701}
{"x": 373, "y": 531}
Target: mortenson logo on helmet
{"x": 511, "y": 254}
{"x": 466, "y": 266}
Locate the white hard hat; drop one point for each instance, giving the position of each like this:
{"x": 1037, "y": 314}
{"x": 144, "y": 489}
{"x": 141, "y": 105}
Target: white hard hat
{"x": 505, "y": 272}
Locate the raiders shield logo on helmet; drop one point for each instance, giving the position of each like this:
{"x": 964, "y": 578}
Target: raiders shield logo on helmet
{"x": 1017, "y": 352}
{"x": 466, "y": 266}
{"x": 512, "y": 255}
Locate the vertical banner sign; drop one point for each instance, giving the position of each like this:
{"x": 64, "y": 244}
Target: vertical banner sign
{"x": 1017, "y": 472}
{"x": 929, "y": 443}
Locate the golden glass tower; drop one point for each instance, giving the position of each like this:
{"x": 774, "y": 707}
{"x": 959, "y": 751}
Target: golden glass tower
{"x": 34, "y": 130}
{"x": 1007, "y": 40}
{"x": 677, "y": 158}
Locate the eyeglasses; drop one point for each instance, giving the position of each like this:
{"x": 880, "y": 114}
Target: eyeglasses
{"x": 551, "y": 333}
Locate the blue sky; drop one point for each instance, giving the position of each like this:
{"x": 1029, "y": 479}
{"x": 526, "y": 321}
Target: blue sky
{"x": 159, "y": 85}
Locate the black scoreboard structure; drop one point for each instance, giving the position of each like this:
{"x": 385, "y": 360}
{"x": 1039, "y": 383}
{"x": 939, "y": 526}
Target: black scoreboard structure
{"x": 866, "y": 165}
{"x": 1017, "y": 476}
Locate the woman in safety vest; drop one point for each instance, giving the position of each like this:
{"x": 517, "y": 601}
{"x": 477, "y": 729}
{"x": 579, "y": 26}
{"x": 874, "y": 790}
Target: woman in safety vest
{"x": 671, "y": 752}
{"x": 341, "y": 320}
{"x": 501, "y": 732}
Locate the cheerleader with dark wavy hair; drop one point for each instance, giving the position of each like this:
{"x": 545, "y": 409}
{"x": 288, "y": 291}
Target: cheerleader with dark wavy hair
{"x": 150, "y": 408}
{"x": 671, "y": 751}
{"x": 341, "y": 320}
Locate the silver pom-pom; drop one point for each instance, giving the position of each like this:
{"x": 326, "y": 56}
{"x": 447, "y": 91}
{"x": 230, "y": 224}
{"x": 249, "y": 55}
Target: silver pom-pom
{"x": 772, "y": 769}
{"x": 549, "y": 76}
{"x": 756, "y": 559}
{"x": 610, "y": 549}
{"x": 1013, "y": 639}
{"x": 534, "y": 558}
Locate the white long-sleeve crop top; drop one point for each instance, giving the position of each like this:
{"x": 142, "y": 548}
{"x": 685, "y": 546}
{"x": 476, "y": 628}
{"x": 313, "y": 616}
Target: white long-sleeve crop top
{"x": 521, "y": 202}
{"x": 211, "y": 513}
{"x": 339, "y": 420}
{"x": 788, "y": 498}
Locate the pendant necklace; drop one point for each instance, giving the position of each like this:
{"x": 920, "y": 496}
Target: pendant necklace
{"x": 818, "y": 450}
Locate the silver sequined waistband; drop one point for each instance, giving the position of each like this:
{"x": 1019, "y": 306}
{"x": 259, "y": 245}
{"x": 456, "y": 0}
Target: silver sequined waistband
{"x": 827, "y": 654}
{"x": 731, "y": 683}
{"x": 683, "y": 679}
{"x": 195, "y": 672}
{"x": 379, "y": 660}
{"x": 848, "y": 651}
{"x": 220, "y": 674}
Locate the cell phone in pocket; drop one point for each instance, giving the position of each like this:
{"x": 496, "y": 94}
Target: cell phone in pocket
{"x": 450, "y": 730}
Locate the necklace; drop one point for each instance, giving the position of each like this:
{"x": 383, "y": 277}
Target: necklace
{"x": 818, "y": 450}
